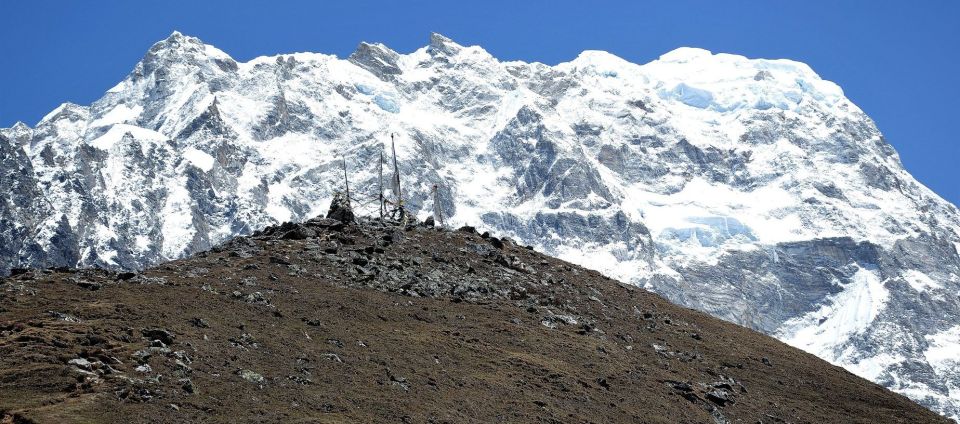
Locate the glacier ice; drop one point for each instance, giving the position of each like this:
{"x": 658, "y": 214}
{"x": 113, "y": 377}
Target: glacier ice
{"x": 387, "y": 103}
{"x": 691, "y": 96}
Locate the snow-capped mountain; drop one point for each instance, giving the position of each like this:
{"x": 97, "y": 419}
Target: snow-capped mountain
{"x": 749, "y": 189}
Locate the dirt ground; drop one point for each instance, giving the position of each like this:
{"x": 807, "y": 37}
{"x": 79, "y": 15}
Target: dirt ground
{"x": 326, "y": 323}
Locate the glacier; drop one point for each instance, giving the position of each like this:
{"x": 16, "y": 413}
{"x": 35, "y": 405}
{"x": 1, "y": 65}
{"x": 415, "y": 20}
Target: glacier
{"x": 750, "y": 189}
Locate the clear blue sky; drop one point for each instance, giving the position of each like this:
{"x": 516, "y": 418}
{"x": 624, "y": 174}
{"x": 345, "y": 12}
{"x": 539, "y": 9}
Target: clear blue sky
{"x": 900, "y": 61}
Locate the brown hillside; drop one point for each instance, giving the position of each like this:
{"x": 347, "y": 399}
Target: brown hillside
{"x": 373, "y": 323}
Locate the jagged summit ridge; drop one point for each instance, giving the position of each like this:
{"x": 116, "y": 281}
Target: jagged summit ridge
{"x": 751, "y": 189}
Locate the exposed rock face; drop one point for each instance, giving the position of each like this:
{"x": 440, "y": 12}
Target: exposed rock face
{"x": 749, "y": 189}
{"x": 374, "y": 322}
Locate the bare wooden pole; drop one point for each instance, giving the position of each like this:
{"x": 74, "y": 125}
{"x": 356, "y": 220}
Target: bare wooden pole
{"x": 437, "y": 211}
{"x": 396, "y": 174}
{"x": 380, "y": 175}
{"x": 346, "y": 180}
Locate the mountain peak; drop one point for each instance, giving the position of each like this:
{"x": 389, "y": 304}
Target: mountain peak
{"x": 598, "y": 57}
{"x": 175, "y": 36}
{"x": 682, "y": 56}
{"x": 183, "y": 49}
{"x": 377, "y": 58}
{"x": 443, "y": 44}
{"x": 176, "y": 40}
{"x": 730, "y": 82}
{"x": 19, "y": 133}
{"x": 73, "y": 110}
{"x": 685, "y": 54}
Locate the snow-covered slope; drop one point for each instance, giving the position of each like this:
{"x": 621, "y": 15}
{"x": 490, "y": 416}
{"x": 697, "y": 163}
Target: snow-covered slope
{"x": 750, "y": 189}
